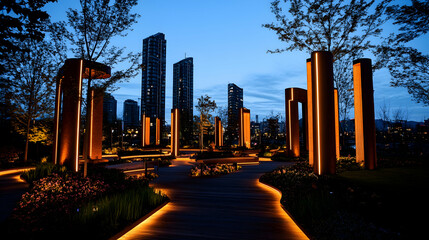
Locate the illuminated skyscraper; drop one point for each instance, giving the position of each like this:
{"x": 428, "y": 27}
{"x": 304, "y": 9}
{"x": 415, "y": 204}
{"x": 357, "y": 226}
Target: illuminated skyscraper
{"x": 235, "y": 102}
{"x": 183, "y": 93}
{"x": 153, "y": 77}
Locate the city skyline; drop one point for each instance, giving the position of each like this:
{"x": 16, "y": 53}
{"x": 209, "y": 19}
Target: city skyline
{"x": 232, "y": 48}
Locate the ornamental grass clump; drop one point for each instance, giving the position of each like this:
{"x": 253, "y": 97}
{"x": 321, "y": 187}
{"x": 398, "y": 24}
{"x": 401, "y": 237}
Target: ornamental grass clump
{"x": 213, "y": 170}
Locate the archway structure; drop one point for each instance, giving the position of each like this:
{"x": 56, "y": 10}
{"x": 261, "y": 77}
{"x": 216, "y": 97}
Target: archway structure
{"x": 67, "y": 115}
{"x": 293, "y": 97}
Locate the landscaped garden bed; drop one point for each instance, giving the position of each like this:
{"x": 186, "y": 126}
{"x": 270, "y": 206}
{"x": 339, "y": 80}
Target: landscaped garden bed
{"x": 66, "y": 205}
{"x": 355, "y": 203}
{"x": 213, "y": 170}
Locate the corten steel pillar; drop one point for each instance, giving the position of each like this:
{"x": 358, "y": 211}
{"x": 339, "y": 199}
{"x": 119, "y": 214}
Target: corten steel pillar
{"x": 244, "y": 122}
{"x": 175, "y": 132}
{"x": 310, "y": 114}
{"x": 293, "y": 97}
{"x": 323, "y": 112}
{"x": 364, "y": 113}
{"x": 337, "y": 125}
{"x": 158, "y": 132}
{"x": 67, "y": 126}
{"x": 94, "y": 138}
{"x": 147, "y": 131}
{"x": 67, "y": 132}
{"x": 145, "y": 138}
{"x": 57, "y": 113}
{"x": 218, "y": 132}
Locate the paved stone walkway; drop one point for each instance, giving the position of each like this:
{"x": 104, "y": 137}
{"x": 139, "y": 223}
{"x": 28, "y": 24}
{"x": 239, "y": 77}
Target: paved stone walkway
{"x": 233, "y": 206}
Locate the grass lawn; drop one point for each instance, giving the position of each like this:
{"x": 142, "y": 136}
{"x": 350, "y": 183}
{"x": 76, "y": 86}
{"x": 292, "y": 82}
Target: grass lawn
{"x": 403, "y": 196}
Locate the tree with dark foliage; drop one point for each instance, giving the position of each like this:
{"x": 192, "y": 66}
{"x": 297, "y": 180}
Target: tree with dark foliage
{"x": 408, "y": 67}
{"x": 344, "y": 28}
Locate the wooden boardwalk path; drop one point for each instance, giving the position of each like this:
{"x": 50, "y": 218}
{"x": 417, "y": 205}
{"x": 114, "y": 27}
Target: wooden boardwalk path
{"x": 233, "y": 206}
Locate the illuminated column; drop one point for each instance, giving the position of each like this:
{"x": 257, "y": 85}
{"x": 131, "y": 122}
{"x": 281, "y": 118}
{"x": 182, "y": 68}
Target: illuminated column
{"x": 292, "y": 123}
{"x": 71, "y": 86}
{"x": 96, "y": 135}
{"x": 93, "y": 139}
{"x": 244, "y": 120}
{"x": 323, "y": 112}
{"x": 364, "y": 113}
{"x": 67, "y": 117}
{"x": 310, "y": 114}
{"x": 218, "y": 132}
{"x": 337, "y": 125}
{"x": 175, "y": 126}
{"x": 57, "y": 112}
{"x": 158, "y": 132}
{"x": 147, "y": 131}
{"x": 293, "y": 97}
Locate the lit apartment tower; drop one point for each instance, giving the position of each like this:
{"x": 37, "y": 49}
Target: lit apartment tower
{"x": 109, "y": 108}
{"x": 131, "y": 113}
{"x": 183, "y": 93}
{"x": 153, "y": 77}
{"x": 235, "y": 102}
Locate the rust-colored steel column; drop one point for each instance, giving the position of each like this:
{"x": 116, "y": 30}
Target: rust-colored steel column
{"x": 147, "y": 131}
{"x": 96, "y": 135}
{"x": 293, "y": 97}
{"x": 244, "y": 121}
{"x": 145, "y": 138}
{"x": 67, "y": 126}
{"x": 323, "y": 112}
{"x": 310, "y": 114}
{"x": 70, "y": 124}
{"x": 158, "y": 132}
{"x": 175, "y": 132}
{"x": 292, "y": 123}
{"x": 58, "y": 95}
{"x": 143, "y": 130}
{"x": 337, "y": 125}
{"x": 364, "y": 113}
{"x": 218, "y": 132}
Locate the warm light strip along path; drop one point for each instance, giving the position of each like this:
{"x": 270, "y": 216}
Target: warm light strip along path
{"x": 233, "y": 206}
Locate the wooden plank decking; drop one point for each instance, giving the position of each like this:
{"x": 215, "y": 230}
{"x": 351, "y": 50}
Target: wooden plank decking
{"x": 234, "y": 206}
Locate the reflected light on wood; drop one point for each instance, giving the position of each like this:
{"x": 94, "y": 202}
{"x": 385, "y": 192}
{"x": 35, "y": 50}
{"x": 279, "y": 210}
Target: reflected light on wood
{"x": 289, "y": 222}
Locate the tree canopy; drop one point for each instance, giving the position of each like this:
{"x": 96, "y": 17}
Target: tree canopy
{"x": 91, "y": 29}
{"x": 408, "y": 66}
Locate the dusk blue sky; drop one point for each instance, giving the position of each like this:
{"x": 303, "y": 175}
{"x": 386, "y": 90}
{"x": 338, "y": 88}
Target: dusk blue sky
{"x": 229, "y": 45}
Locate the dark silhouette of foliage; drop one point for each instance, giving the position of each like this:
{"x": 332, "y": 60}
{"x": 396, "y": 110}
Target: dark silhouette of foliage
{"x": 344, "y": 28}
{"x": 408, "y": 67}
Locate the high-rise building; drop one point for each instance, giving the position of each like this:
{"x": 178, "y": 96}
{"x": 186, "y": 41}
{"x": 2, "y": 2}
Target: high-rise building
{"x": 131, "y": 113}
{"x": 153, "y": 77}
{"x": 235, "y": 102}
{"x": 109, "y": 108}
{"x": 183, "y": 94}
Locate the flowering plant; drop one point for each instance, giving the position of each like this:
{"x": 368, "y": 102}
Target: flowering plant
{"x": 57, "y": 194}
{"x": 213, "y": 170}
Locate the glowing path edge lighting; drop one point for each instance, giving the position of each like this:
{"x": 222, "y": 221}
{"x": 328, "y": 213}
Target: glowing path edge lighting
{"x": 292, "y": 224}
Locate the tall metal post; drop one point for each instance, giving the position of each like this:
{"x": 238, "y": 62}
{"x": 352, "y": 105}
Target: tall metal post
{"x": 364, "y": 113}
{"x": 323, "y": 112}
